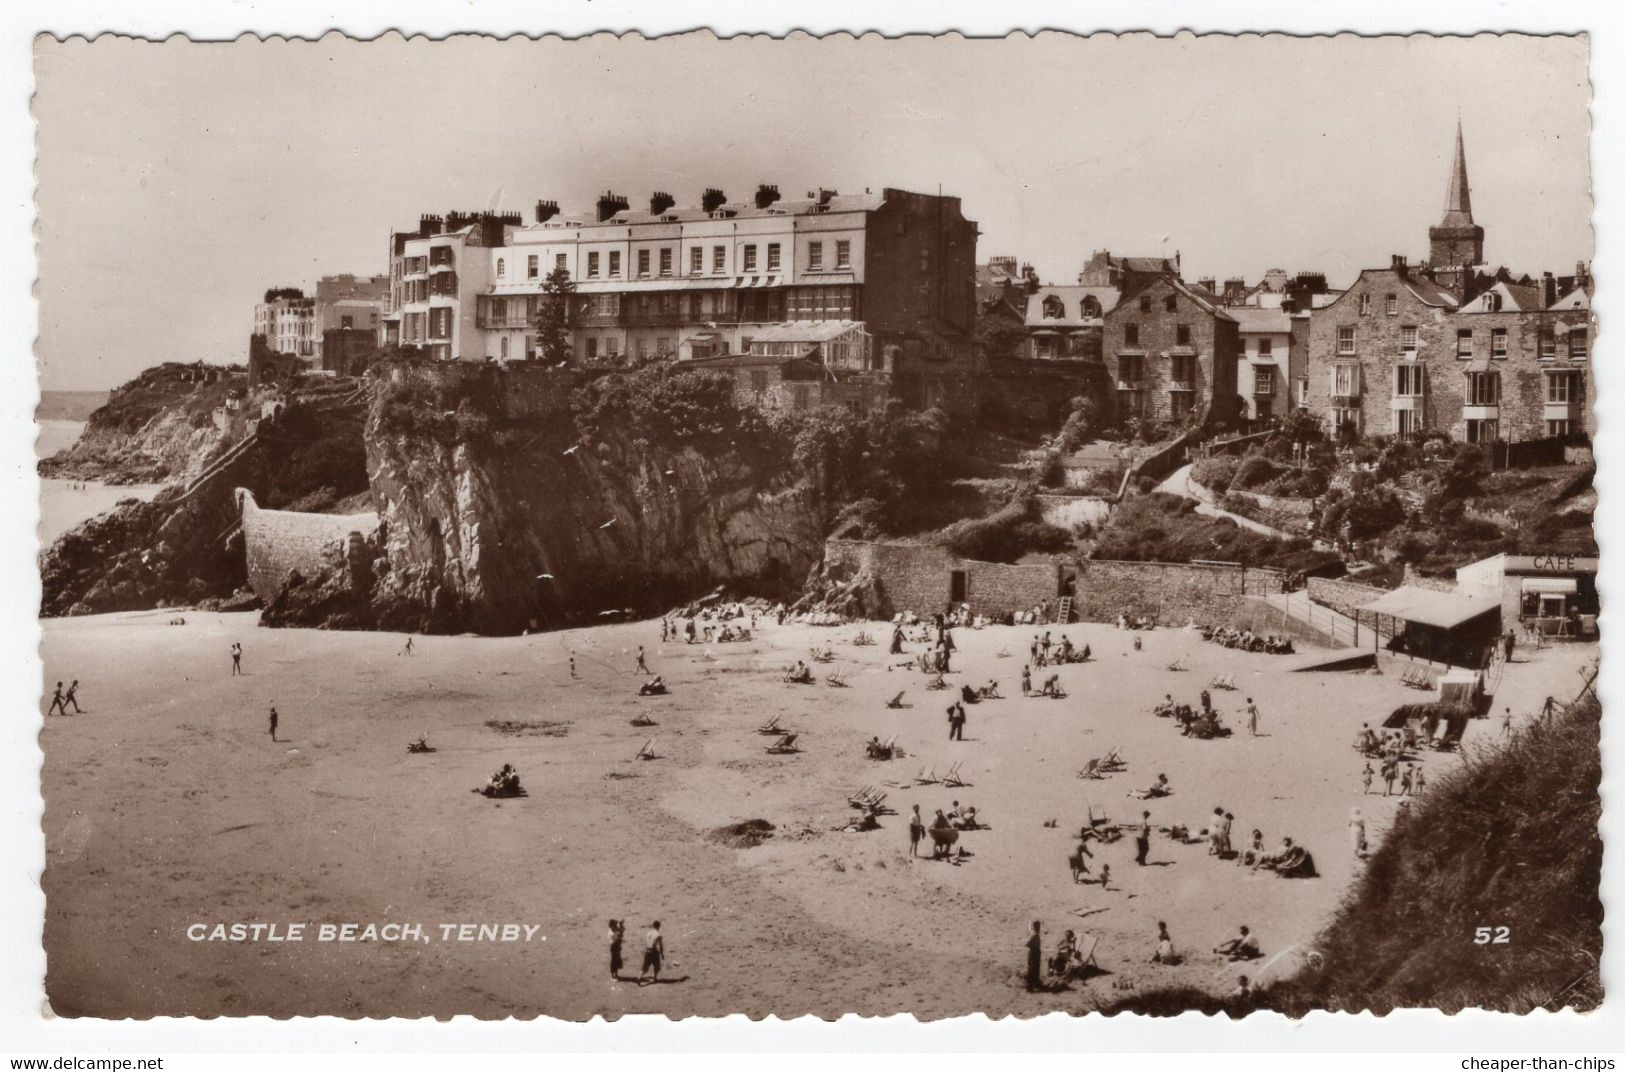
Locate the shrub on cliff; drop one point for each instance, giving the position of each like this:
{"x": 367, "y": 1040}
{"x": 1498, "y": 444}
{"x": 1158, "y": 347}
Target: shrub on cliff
{"x": 663, "y": 404}
{"x": 1006, "y": 535}
{"x": 1217, "y": 472}
{"x": 1166, "y": 528}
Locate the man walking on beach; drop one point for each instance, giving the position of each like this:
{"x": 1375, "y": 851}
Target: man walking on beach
{"x": 956, "y": 721}
{"x": 643, "y": 667}
{"x": 72, "y": 697}
{"x": 654, "y": 951}
{"x": 1035, "y": 959}
{"x": 1142, "y": 839}
{"x": 573, "y": 675}
{"x": 1252, "y": 718}
{"x": 56, "y": 702}
{"x": 236, "y": 660}
{"x": 408, "y": 649}
{"x": 273, "y": 722}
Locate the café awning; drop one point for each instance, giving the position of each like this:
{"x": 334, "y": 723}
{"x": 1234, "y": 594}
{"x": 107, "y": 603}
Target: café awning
{"x": 1554, "y": 585}
{"x": 1424, "y": 606}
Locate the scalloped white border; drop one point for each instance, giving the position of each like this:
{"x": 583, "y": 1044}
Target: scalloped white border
{"x": 23, "y": 1029}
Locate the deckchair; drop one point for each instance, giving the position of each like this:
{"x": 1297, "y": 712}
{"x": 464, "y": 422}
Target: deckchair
{"x": 936, "y": 683}
{"x": 1093, "y": 821}
{"x": 1091, "y": 769}
{"x": 1113, "y": 761}
{"x": 896, "y": 702}
{"x": 770, "y": 727}
{"x": 644, "y": 719}
{"x": 784, "y": 745}
{"x": 953, "y": 778}
{"x": 1086, "y": 952}
{"x": 648, "y": 750}
{"x": 926, "y": 777}
{"x": 836, "y": 680}
{"x": 1178, "y": 664}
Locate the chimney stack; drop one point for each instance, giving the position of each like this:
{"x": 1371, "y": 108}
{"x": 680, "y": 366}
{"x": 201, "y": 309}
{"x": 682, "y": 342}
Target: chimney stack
{"x": 430, "y": 225}
{"x": 609, "y": 204}
{"x": 1399, "y": 265}
{"x": 1548, "y": 289}
{"x": 766, "y": 195}
{"x": 660, "y": 201}
{"x": 546, "y": 210}
{"x": 712, "y": 199}
{"x": 824, "y": 195}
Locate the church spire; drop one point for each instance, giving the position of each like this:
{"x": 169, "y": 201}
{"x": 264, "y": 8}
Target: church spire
{"x": 1457, "y": 241}
{"x": 1458, "y": 201}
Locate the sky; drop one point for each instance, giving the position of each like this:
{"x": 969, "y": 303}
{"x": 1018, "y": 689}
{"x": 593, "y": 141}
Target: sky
{"x": 178, "y": 181}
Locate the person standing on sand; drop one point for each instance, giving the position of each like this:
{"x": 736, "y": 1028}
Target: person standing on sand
{"x": 56, "y": 702}
{"x": 1252, "y": 718}
{"x": 956, "y": 721}
{"x": 1406, "y": 780}
{"x": 72, "y": 697}
{"x": 916, "y": 832}
{"x": 1026, "y": 680}
{"x": 1421, "y": 782}
{"x": 1142, "y": 838}
{"x": 643, "y": 667}
{"x": 273, "y": 722}
{"x": 573, "y": 675}
{"x": 1506, "y": 723}
{"x": 1357, "y": 834}
{"x": 236, "y": 660}
{"x": 1365, "y": 778}
{"x": 1035, "y": 959}
{"x": 654, "y": 952}
{"x": 1389, "y": 771}
{"x": 617, "y": 935}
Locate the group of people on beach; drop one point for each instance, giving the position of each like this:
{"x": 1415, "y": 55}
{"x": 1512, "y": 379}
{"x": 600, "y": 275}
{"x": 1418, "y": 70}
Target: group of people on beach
{"x": 654, "y": 951}
{"x": 60, "y": 699}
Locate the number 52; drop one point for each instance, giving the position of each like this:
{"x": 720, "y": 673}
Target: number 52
{"x": 1492, "y": 935}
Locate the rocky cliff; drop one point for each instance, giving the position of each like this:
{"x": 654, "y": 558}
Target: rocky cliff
{"x": 184, "y": 547}
{"x": 529, "y": 499}
{"x": 158, "y": 427}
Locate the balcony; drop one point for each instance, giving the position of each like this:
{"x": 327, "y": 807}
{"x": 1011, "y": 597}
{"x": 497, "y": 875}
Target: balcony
{"x": 1406, "y": 402}
{"x": 1481, "y": 412}
{"x": 499, "y": 323}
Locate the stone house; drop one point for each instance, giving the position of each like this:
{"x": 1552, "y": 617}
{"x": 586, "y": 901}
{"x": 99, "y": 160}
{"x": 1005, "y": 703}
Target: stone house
{"x": 1172, "y": 352}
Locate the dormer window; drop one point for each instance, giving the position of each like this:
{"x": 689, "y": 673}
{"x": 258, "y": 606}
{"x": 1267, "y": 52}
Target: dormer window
{"x": 1053, "y": 309}
{"x": 1091, "y": 307}
{"x": 1491, "y": 302}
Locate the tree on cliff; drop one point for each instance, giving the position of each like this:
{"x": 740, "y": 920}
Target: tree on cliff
{"x": 553, "y": 316}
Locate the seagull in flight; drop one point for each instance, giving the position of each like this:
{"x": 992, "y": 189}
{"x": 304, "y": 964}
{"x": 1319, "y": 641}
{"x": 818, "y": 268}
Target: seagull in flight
{"x": 572, "y": 450}
{"x": 607, "y": 524}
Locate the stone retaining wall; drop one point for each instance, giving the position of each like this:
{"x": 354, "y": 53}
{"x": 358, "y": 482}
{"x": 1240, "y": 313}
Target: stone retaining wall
{"x": 276, "y": 541}
{"x": 920, "y": 578}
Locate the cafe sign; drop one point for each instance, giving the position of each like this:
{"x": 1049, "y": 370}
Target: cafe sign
{"x": 1554, "y": 563}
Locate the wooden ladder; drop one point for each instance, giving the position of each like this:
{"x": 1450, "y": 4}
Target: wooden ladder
{"x": 1065, "y": 612}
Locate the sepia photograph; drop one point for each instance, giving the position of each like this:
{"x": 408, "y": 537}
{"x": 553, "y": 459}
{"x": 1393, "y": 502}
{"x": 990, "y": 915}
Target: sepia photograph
{"x": 931, "y": 525}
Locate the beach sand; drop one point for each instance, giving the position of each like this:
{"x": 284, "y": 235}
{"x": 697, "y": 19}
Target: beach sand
{"x": 168, "y": 805}
{"x": 67, "y": 504}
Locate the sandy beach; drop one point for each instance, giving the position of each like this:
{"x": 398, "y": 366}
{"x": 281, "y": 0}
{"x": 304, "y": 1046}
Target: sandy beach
{"x": 168, "y": 805}
{"x": 66, "y": 504}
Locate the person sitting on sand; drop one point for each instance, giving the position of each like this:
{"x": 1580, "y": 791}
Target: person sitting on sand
{"x": 655, "y": 686}
{"x": 1165, "y": 953}
{"x": 968, "y": 694}
{"x": 1067, "y": 959}
{"x": 1158, "y": 788}
{"x": 965, "y": 818}
{"x": 1052, "y": 687}
{"x": 1254, "y": 850}
{"x": 1242, "y": 947}
{"x": 990, "y": 691}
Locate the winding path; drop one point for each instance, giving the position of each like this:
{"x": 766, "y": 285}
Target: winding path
{"x": 1180, "y": 483}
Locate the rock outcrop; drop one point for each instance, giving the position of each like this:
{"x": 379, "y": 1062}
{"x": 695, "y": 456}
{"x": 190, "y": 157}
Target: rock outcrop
{"x": 505, "y": 506}
{"x": 159, "y": 427}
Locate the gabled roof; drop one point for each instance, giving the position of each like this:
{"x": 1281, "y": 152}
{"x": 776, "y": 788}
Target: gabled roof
{"x": 1578, "y": 298}
{"x": 1255, "y": 320}
{"x": 1071, "y": 298}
